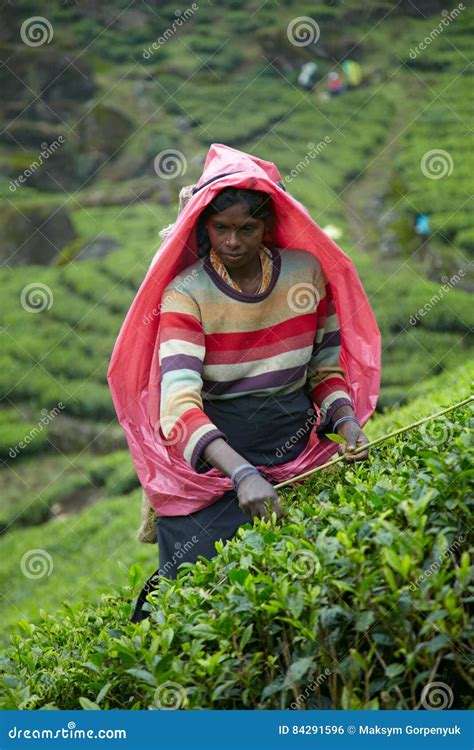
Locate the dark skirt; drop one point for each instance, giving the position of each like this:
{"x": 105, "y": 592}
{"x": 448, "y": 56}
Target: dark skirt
{"x": 266, "y": 431}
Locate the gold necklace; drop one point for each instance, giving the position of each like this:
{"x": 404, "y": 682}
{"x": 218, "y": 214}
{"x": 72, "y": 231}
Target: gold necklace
{"x": 222, "y": 270}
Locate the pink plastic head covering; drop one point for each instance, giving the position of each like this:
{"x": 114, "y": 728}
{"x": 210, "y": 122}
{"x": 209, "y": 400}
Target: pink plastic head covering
{"x": 172, "y": 486}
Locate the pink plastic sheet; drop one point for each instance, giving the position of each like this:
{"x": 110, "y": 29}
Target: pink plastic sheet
{"x": 172, "y": 486}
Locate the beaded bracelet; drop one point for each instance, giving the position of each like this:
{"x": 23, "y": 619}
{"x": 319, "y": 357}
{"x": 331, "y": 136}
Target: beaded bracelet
{"x": 248, "y": 473}
{"x": 344, "y": 419}
{"x": 242, "y": 466}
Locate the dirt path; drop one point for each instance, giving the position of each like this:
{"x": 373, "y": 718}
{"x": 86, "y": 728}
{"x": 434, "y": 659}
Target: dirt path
{"x": 370, "y": 205}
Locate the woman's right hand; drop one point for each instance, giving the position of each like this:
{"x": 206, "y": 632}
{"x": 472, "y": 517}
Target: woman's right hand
{"x": 253, "y": 493}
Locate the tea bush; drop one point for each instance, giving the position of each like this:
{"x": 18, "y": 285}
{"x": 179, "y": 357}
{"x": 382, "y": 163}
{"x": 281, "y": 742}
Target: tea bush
{"x": 86, "y": 549}
{"x": 358, "y": 598}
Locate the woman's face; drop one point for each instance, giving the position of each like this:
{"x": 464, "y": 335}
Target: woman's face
{"x": 235, "y": 236}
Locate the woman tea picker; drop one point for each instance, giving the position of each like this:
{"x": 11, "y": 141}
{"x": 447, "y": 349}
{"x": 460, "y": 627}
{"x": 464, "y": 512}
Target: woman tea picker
{"x": 219, "y": 397}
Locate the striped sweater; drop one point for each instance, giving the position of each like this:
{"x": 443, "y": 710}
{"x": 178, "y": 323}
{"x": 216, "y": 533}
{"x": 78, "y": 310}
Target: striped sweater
{"x": 216, "y": 342}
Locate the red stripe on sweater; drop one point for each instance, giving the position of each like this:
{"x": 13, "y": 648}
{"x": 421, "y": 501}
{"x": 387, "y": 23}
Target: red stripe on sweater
{"x": 180, "y": 326}
{"x": 323, "y": 390}
{"x": 277, "y": 334}
{"x": 231, "y": 357}
{"x": 184, "y": 427}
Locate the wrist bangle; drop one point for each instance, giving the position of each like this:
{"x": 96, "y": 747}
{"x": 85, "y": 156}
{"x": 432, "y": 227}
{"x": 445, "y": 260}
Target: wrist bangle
{"x": 247, "y": 473}
{"x": 242, "y": 466}
{"x": 345, "y": 419}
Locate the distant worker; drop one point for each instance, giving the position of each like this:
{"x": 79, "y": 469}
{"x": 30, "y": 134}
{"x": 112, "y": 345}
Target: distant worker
{"x": 335, "y": 84}
{"x": 353, "y": 73}
{"x": 422, "y": 225}
{"x": 307, "y": 76}
{"x": 422, "y": 228}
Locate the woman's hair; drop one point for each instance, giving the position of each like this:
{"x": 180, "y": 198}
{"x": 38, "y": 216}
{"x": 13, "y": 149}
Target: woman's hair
{"x": 259, "y": 205}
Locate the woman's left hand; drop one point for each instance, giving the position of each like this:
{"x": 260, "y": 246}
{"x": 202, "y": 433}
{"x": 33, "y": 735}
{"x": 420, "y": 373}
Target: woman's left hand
{"x": 354, "y": 437}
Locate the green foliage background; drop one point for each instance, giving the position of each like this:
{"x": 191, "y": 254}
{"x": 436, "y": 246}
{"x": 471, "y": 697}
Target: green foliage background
{"x": 244, "y": 630}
